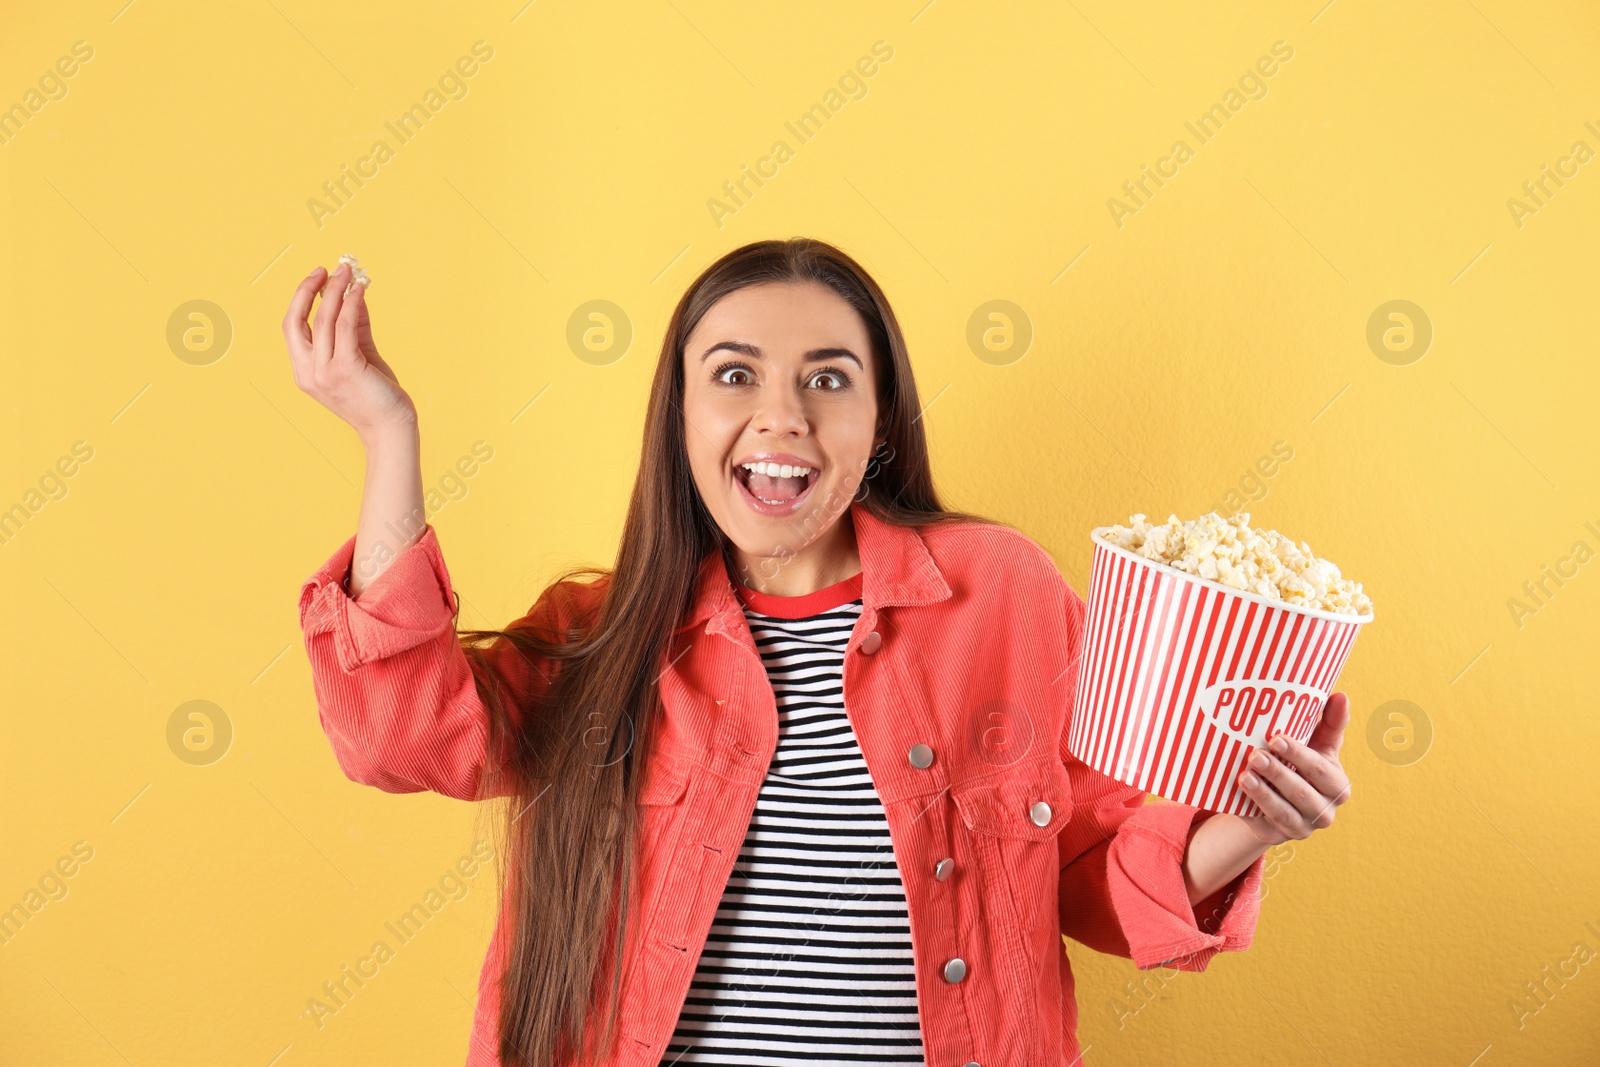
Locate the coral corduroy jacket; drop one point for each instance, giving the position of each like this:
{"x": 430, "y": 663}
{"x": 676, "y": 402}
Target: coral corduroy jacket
{"x": 958, "y": 680}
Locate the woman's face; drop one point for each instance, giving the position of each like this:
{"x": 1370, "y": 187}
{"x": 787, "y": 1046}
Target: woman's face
{"x": 782, "y": 374}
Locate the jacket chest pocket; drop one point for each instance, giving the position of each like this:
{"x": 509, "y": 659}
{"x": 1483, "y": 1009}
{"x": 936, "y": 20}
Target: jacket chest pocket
{"x": 1011, "y": 821}
{"x": 664, "y": 784}
{"x": 1026, "y": 802}
{"x": 662, "y": 811}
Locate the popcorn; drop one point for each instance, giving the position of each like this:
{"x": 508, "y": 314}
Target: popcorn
{"x": 358, "y": 275}
{"x": 1228, "y": 551}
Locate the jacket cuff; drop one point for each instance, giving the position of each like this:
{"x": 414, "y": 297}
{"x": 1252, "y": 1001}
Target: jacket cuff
{"x": 1145, "y": 874}
{"x": 410, "y": 602}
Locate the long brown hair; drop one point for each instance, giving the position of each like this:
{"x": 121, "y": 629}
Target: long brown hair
{"x": 574, "y": 761}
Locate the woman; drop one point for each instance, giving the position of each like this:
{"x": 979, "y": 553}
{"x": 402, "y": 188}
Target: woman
{"x": 804, "y": 744}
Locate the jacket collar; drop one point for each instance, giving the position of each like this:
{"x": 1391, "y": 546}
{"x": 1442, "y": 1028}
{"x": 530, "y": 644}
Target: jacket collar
{"x": 896, "y": 569}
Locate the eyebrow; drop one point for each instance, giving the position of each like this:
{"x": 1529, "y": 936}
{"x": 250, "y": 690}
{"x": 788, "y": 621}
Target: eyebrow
{"x": 813, "y": 356}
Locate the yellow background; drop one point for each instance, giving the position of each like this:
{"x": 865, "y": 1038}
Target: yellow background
{"x": 1228, "y": 314}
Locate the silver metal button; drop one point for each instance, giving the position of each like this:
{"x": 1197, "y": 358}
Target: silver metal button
{"x": 871, "y": 643}
{"x": 942, "y": 869}
{"x": 921, "y": 756}
{"x": 955, "y": 970}
{"x": 1039, "y": 813}
{"x": 973, "y": 1063}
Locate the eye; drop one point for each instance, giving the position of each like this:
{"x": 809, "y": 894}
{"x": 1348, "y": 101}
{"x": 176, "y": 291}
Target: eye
{"x": 730, "y": 365}
{"x": 838, "y": 376}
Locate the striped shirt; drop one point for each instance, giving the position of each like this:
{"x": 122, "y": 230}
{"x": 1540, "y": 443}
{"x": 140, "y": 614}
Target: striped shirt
{"x": 808, "y": 960}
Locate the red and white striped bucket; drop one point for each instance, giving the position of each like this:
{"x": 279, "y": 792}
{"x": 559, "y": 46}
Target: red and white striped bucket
{"x": 1182, "y": 679}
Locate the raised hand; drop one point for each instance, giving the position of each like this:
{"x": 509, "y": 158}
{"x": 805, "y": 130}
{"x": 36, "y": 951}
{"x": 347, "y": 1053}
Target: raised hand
{"x": 335, "y": 360}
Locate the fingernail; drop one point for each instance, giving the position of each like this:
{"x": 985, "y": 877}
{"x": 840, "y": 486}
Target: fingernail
{"x": 1247, "y": 778}
{"x": 1278, "y": 744}
{"x": 1259, "y": 762}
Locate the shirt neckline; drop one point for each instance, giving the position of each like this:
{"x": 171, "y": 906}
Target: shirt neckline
{"x": 804, "y": 606}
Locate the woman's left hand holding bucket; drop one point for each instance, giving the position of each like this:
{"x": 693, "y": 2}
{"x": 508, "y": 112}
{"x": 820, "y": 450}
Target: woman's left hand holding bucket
{"x": 1297, "y": 801}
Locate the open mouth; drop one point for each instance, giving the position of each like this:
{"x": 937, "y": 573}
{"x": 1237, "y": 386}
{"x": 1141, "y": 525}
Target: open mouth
{"x": 768, "y": 490}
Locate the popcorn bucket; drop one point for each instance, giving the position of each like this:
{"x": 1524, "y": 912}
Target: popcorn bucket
{"x": 1183, "y": 679}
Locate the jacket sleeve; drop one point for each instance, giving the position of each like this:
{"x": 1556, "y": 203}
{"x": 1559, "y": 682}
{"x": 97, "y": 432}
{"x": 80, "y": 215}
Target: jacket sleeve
{"x": 397, "y": 693}
{"x": 1122, "y": 890}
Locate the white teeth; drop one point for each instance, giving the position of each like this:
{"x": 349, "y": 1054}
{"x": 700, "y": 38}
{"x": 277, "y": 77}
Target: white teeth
{"x": 777, "y": 470}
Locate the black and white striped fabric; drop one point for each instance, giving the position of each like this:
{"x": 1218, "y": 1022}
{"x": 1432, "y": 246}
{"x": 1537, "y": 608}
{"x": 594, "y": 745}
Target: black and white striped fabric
{"x": 809, "y": 958}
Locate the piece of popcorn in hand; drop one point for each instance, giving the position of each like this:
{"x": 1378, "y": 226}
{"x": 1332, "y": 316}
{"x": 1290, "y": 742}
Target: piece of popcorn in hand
{"x": 358, "y": 274}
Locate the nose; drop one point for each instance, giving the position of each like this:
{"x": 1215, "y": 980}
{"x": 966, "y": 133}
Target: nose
{"x": 781, "y": 410}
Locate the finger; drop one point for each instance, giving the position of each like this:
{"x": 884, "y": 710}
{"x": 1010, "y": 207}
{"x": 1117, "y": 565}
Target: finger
{"x": 1326, "y": 775}
{"x": 346, "y": 345}
{"x": 328, "y": 311}
{"x": 364, "y": 325}
{"x": 369, "y": 350}
{"x": 1314, "y": 806}
{"x": 1282, "y": 814}
{"x": 1329, "y": 734}
{"x": 295, "y": 328}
